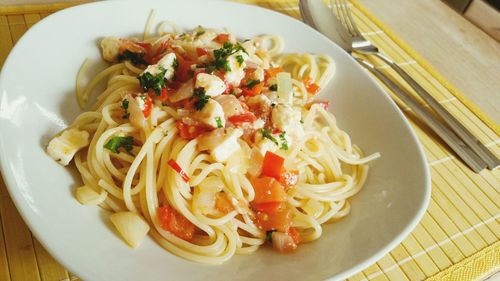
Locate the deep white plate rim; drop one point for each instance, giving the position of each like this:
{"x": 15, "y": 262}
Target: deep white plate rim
{"x": 26, "y": 214}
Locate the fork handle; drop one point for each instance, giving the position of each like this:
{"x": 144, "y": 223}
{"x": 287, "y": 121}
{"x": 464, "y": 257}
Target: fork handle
{"x": 488, "y": 157}
{"x": 455, "y": 143}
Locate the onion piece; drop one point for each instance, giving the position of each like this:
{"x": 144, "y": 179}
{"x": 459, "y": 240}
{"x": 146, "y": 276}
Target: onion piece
{"x": 284, "y": 82}
{"x": 210, "y": 140}
{"x": 184, "y": 92}
{"x": 230, "y": 104}
{"x": 131, "y": 227}
{"x": 283, "y": 242}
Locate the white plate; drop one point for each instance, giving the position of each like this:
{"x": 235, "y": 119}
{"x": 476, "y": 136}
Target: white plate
{"x": 37, "y": 100}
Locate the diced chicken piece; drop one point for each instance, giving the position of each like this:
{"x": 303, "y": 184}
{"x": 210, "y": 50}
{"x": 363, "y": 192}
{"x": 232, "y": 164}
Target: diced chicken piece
{"x": 211, "y": 114}
{"x": 205, "y": 195}
{"x": 266, "y": 145}
{"x": 260, "y": 101}
{"x": 227, "y": 146}
{"x": 258, "y": 74}
{"x": 237, "y": 73}
{"x": 136, "y": 106}
{"x": 110, "y": 48}
{"x": 167, "y": 63}
{"x": 258, "y": 124}
{"x": 64, "y": 147}
{"x": 213, "y": 85}
{"x": 230, "y": 104}
{"x": 286, "y": 119}
{"x": 249, "y": 46}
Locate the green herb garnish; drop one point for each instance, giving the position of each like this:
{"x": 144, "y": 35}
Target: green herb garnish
{"x": 116, "y": 142}
{"x": 154, "y": 82}
{"x": 223, "y": 53}
{"x": 273, "y": 87}
{"x": 252, "y": 82}
{"x": 284, "y": 143}
{"x": 202, "y": 98}
{"x": 269, "y": 235}
{"x": 124, "y": 104}
{"x": 266, "y": 133}
{"x": 239, "y": 59}
{"x": 135, "y": 58}
{"x": 218, "y": 121}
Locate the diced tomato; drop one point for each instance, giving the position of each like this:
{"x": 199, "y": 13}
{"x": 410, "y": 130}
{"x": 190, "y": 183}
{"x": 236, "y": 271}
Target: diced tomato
{"x": 146, "y": 46}
{"x": 189, "y": 132}
{"x": 175, "y": 223}
{"x": 290, "y": 178}
{"x": 272, "y": 165}
{"x": 183, "y": 72}
{"x": 253, "y": 91}
{"x": 267, "y": 190}
{"x": 268, "y": 208}
{"x": 155, "y": 54}
{"x": 201, "y": 51}
{"x": 292, "y": 231}
{"x": 174, "y": 165}
{"x": 271, "y": 72}
{"x": 280, "y": 220}
{"x": 164, "y": 94}
{"x": 229, "y": 88}
{"x": 311, "y": 87}
{"x": 222, "y": 203}
{"x": 325, "y": 104}
{"x": 222, "y": 38}
{"x": 148, "y": 105}
{"x": 242, "y": 118}
{"x": 244, "y": 105}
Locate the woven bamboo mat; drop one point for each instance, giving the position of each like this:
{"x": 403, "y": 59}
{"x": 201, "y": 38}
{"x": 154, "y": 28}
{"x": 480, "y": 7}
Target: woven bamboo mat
{"x": 457, "y": 239}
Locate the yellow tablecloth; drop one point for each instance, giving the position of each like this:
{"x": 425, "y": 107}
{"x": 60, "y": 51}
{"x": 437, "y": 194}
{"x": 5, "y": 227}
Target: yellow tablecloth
{"x": 457, "y": 239}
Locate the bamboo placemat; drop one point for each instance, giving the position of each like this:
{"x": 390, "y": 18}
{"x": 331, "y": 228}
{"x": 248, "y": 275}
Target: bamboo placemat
{"x": 458, "y": 237}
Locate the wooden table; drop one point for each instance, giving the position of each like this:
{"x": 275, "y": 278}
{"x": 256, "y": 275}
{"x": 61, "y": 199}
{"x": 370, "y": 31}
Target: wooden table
{"x": 461, "y": 52}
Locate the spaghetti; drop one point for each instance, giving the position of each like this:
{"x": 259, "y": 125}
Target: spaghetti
{"x": 212, "y": 145}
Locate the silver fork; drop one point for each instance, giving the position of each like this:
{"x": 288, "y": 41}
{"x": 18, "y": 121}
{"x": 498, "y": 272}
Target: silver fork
{"x": 359, "y": 44}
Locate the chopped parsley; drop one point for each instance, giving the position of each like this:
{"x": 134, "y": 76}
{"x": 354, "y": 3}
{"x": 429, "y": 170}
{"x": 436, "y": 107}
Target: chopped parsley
{"x": 154, "y": 82}
{"x": 135, "y": 58}
{"x": 251, "y": 83}
{"x": 199, "y": 30}
{"x": 223, "y": 53}
{"x": 218, "y": 121}
{"x": 175, "y": 64}
{"x": 273, "y": 87}
{"x": 116, "y": 142}
{"x": 202, "y": 98}
{"x": 284, "y": 142}
{"x": 124, "y": 104}
{"x": 125, "y": 107}
{"x": 269, "y": 235}
{"x": 239, "y": 59}
{"x": 266, "y": 133}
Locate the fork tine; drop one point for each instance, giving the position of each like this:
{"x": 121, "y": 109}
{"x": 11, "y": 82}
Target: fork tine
{"x": 337, "y": 8}
{"x": 347, "y": 18}
{"x": 351, "y": 18}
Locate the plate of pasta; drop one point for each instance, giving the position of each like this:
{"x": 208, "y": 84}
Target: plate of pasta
{"x": 189, "y": 140}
